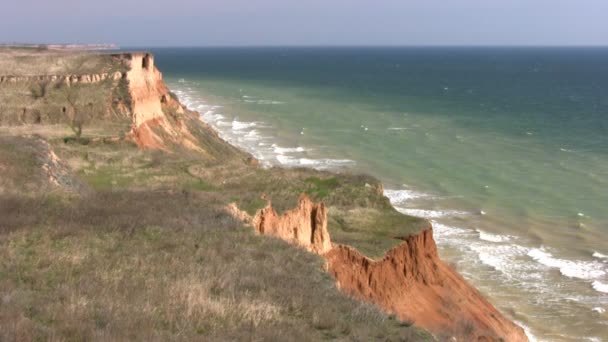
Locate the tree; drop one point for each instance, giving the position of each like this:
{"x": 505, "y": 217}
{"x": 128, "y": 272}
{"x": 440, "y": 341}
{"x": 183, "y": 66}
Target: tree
{"x": 75, "y": 116}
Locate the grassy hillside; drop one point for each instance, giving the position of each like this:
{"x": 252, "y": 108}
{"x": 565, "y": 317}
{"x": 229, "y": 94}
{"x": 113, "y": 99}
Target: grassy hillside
{"x": 101, "y": 240}
{"x": 46, "y": 101}
{"x": 136, "y": 245}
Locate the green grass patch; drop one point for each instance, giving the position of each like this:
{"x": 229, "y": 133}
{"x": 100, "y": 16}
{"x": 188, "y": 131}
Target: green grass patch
{"x": 320, "y": 188}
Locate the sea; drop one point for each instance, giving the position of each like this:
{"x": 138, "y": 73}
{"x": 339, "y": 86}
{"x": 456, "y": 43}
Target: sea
{"x": 503, "y": 149}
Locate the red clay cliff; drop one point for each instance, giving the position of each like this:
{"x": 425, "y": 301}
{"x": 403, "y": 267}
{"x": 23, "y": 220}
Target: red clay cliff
{"x": 410, "y": 281}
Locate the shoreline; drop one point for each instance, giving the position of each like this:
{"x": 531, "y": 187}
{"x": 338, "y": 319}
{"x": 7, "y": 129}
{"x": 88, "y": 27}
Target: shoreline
{"x": 208, "y": 114}
{"x": 242, "y": 138}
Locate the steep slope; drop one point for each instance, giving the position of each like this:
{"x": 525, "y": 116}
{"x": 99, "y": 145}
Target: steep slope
{"x": 305, "y": 226}
{"x": 126, "y": 89}
{"x": 410, "y": 281}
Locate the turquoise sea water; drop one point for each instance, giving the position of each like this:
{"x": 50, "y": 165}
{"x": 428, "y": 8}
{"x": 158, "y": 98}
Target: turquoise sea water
{"x": 504, "y": 149}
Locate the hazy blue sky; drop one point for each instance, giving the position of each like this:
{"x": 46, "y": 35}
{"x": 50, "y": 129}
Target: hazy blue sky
{"x": 307, "y": 22}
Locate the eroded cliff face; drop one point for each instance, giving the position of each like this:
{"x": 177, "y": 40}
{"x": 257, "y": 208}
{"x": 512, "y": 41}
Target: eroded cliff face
{"x": 305, "y": 226}
{"x": 146, "y": 88}
{"x": 413, "y": 283}
{"x": 410, "y": 281}
{"x": 158, "y": 119}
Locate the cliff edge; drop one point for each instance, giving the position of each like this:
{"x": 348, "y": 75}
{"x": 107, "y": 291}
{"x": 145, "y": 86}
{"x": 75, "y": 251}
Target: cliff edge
{"x": 126, "y": 92}
{"x": 410, "y": 281}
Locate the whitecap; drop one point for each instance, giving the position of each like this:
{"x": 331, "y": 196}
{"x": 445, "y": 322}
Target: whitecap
{"x": 239, "y": 125}
{"x": 492, "y": 237}
{"x": 319, "y": 164}
{"x": 443, "y": 230}
{"x": 599, "y": 255}
{"x": 528, "y": 332}
{"x": 269, "y": 102}
{"x": 599, "y": 310}
{"x": 285, "y": 160}
{"x": 502, "y": 257}
{"x": 327, "y": 163}
{"x": 398, "y": 197}
{"x": 568, "y": 268}
{"x": 283, "y": 150}
{"x": 426, "y": 213}
{"x": 398, "y": 128}
{"x": 599, "y": 286}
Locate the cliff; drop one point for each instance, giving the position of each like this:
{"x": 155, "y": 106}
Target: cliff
{"x": 126, "y": 90}
{"x": 410, "y": 281}
{"x": 305, "y": 226}
{"x": 122, "y": 90}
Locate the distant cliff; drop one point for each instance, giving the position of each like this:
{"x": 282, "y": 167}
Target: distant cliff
{"x": 121, "y": 89}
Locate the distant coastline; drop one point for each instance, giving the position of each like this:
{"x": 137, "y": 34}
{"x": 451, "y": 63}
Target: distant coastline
{"x": 67, "y": 47}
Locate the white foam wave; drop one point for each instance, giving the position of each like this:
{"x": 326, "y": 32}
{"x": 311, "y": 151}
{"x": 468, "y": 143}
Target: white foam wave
{"x": 448, "y": 234}
{"x": 253, "y": 99}
{"x": 210, "y": 116}
{"x": 399, "y": 197}
{"x": 569, "y": 268}
{"x": 503, "y": 258}
{"x": 599, "y": 310}
{"x": 430, "y": 214}
{"x": 599, "y": 286}
{"x": 320, "y": 164}
{"x": 398, "y": 128}
{"x": 599, "y": 255}
{"x": 282, "y": 150}
{"x": 269, "y": 102}
{"x": 528, "y": 332}
{"x": 240, "y": 125}
{"x": 492, "y": 237}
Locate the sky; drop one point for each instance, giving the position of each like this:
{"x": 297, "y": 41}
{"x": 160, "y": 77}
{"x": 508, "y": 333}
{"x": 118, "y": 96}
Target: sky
{"x": 306, "y": 22}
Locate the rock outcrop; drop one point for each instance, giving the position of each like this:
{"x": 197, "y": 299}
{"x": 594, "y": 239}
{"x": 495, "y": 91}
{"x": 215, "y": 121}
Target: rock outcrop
{"x": 157, "y": 117}
{"x": 146, "y": 88}
{"x": 413, "y": 283}
{"x": 410, "y": 281}
{"x": 305, "y": 226}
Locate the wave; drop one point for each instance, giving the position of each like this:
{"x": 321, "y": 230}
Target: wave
{"x": 492, "y": 237}
{"x": 319, "y": 164}
{"x": 282, "y": 150}
{"x": 599, "y": 255}
{"x": 252, "y": 99}
{"x": 399, "y": 197}
{"x": 430, "y": 214}
{"x": 524, "y": 267}
{"x": 240, "y": 125}
{"x": 599, "y": 286}
{"x": 528, "y": 332}
{"x": 571, "y": 269}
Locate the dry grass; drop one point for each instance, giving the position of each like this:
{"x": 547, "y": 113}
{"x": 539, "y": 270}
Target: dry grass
{"x": 164, "y": 266}
{"x": 31, "y": 62}
{"x": 146, "y": 252}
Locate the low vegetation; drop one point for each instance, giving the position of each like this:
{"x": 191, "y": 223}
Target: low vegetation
{"x": 101, "y": 240}
{"x": 145, "y": 251}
